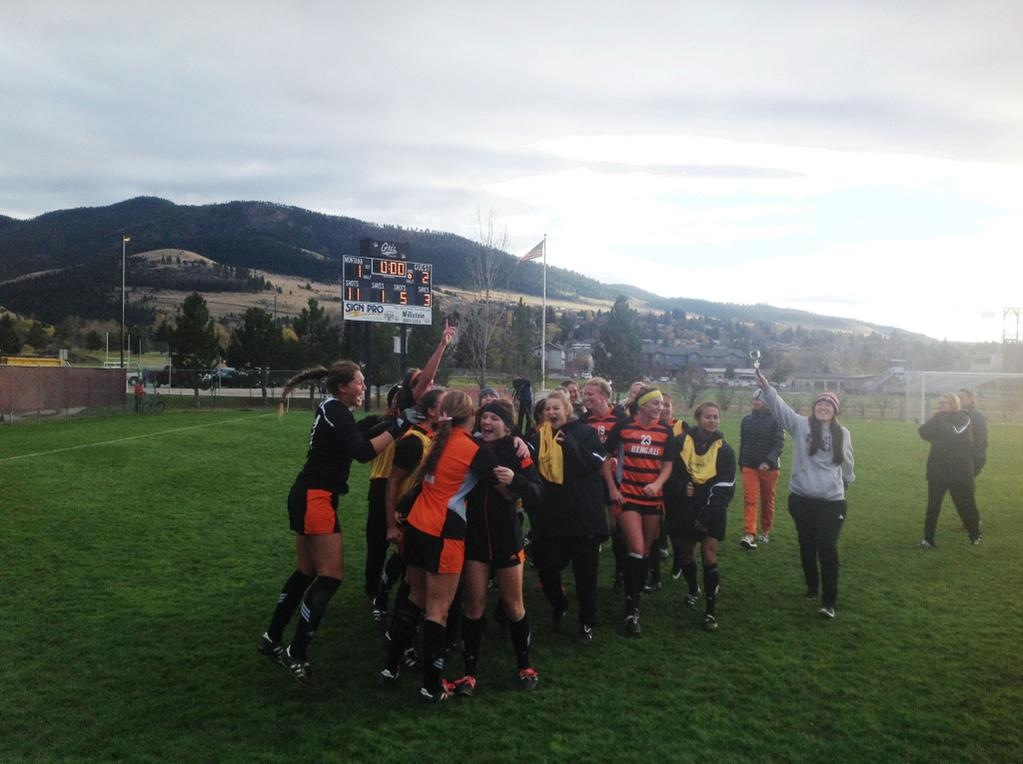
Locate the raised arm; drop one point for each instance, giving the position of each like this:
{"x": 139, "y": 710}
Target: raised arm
{"x": 789, "y": 419}
{"x": 425, "y": 381}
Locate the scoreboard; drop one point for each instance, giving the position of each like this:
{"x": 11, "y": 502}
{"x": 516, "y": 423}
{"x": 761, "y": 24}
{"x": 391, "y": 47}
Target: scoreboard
{"x": 387, "y": 290}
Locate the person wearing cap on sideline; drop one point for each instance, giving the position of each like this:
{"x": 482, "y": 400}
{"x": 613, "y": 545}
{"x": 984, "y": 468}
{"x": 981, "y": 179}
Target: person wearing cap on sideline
{"x": 822, "y": 469}
{"x": 761, "y": 441}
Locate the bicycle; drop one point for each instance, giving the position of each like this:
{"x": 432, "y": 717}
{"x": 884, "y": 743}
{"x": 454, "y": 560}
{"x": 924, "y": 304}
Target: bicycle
{"x": 153, "y": 404}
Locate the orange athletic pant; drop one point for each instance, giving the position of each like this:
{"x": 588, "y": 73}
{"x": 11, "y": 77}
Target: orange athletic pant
{"x": 758, "y": 489}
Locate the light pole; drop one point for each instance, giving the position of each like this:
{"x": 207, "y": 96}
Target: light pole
{"x": 124, "y": 244}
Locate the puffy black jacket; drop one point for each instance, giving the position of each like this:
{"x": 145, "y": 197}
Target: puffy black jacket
{"x": 761, "y": 439}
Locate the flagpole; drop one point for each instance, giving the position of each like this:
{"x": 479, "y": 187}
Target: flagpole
{"x": 543, "y": 323}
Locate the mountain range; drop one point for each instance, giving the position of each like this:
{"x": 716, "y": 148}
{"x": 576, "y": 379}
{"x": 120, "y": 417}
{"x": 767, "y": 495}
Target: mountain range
{"x": 69, "y": 261}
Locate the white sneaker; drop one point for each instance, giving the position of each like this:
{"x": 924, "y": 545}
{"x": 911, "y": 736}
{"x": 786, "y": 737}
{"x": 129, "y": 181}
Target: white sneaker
{"x": 764, "y": 538}
{"x": 748, "y": 542}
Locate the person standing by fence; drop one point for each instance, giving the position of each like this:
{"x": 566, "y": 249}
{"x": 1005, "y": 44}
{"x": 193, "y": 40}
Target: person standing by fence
{"x": 761, "y": 442}
{"x": 950, "y": 468}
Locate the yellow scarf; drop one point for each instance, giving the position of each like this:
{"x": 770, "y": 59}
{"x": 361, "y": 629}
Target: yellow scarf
{"x": 552, "y": 458}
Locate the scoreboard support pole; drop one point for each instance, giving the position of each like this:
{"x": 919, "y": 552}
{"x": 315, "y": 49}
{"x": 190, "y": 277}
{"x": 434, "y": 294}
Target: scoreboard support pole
{"x": 369, "y": 372}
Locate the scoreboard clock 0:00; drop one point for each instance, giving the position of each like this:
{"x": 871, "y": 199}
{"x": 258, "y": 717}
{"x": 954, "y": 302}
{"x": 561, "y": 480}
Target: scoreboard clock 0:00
{"x": 385, "y": 290}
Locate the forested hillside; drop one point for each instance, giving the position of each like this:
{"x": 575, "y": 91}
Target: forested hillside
{"x": 77, "y": 256}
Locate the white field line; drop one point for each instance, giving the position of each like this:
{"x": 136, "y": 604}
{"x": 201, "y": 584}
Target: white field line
{"x": 133, "y": 437}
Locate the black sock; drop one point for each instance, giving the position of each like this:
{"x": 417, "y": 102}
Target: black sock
{"x": 689, "y": 572}
{"x": 521, "y": 637}
{"x": 635, "y": 571}
{"x": 433, "y": 654}
{"x": 619, "y": 550}
{"x": 287, "y": 603}
{"x": 472, "y": 638}
{"x": 313, "y": 607}
{"x": 711, "y": 583}
{"x": 654, "y": 567}
{"x": 402, "y": 631}
{"x": 454, "y": 627}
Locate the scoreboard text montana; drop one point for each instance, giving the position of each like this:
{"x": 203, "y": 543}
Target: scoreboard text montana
{"x": 385, "y": 290}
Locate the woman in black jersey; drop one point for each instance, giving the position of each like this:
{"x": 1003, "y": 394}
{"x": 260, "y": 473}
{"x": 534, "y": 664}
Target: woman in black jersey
{"x": 493, "y": 540}
{"x": 312, "y": 508}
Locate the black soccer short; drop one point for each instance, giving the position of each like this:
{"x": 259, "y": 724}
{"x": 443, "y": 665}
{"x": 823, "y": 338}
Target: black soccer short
{"x": 643, "y": 509}
{"x": 434, "y": 554}
{"x": 312, "y": 511}
{"x": 494, "y": 537}
{"x": 685, "y": 523}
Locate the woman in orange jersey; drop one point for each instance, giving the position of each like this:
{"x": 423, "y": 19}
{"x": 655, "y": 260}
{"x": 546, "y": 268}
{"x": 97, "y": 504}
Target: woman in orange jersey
{"x": 434, "y": 539}
{"x": 405, "y": 395}
{"x": 705, "y": 476}
{"x": 643, "y": 448}
{"x": 494, "y": 541}
{"x": 312, "y": 508}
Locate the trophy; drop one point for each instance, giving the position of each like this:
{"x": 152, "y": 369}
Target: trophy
{"x": 755, "y": 357}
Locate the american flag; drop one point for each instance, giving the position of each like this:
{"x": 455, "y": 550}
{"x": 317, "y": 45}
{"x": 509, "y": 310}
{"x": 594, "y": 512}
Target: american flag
{"x": 533, "y": 254}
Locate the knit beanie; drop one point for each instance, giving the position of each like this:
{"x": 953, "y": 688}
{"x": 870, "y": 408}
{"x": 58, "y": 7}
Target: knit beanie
{"x": 829, "y": 397}
{"x": 502, "y": 410}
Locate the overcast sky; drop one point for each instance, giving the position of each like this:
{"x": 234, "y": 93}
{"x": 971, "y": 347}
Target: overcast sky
{"x": 860, "y": 159}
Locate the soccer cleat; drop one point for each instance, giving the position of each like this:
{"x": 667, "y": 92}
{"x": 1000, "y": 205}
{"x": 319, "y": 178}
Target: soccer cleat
{"x": 465, "y": 686}
{"x": 442, "y": 693}
{"x": 269, "y": 648}
{"x": 632, "y": 625}
{"x": 387, "y": 677}
{"x": 298, "y": 668}
{"x": 528, "y": 679}
{"x": 925, "y": 544}
{"x": 764, "y": 538}
{"x": 976, "y": 540}
{"x": 379, "y": 614}
{"x": 652, "y": 585}
{"x": 692, "y": 598}
{"x": 709, "y": 622}
{"x": 827, "y": 612}
{"x": 411, "y": 658}
{"x": 676, "y": 570}
{"x": 748, "y": 542}
{"x": 585, "y": 633}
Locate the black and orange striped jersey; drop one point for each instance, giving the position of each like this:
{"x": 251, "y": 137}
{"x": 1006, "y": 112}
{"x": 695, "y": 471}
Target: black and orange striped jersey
{"x": 440, "y": 509}
{"x": 641, "y": 453}
{"x": 604, "y": 424}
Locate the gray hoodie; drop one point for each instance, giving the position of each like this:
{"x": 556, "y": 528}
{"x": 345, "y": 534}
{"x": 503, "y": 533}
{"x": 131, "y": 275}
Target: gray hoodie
{"x": 813, "y": 477}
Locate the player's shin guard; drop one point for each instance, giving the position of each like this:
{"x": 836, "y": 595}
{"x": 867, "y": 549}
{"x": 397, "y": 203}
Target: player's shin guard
{"x": 287, "y": 603}
{"x": 472, "y": 638}
{"x": 619, "y": 550}
{"x": 313, "y": 607}
{"x": 689, "y": 573}
{"x": 711, "y": 583}
{"x": 434, "y": 636}
{"x": 521, "y": 637}
{"x": 635, "y": 572}
{"x": 403, "y": 631}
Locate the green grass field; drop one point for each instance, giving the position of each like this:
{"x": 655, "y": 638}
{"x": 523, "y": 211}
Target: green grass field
{"x": 142, "y": 557}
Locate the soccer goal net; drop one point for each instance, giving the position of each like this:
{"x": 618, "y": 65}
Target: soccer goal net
{"x": 999, "y": 396}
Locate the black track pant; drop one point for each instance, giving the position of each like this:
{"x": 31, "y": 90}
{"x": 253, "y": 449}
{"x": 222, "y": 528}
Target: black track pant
{"x": 553, "y": 555}
{"x": 965, "y": 503}
{"x": 818, "y": 524}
